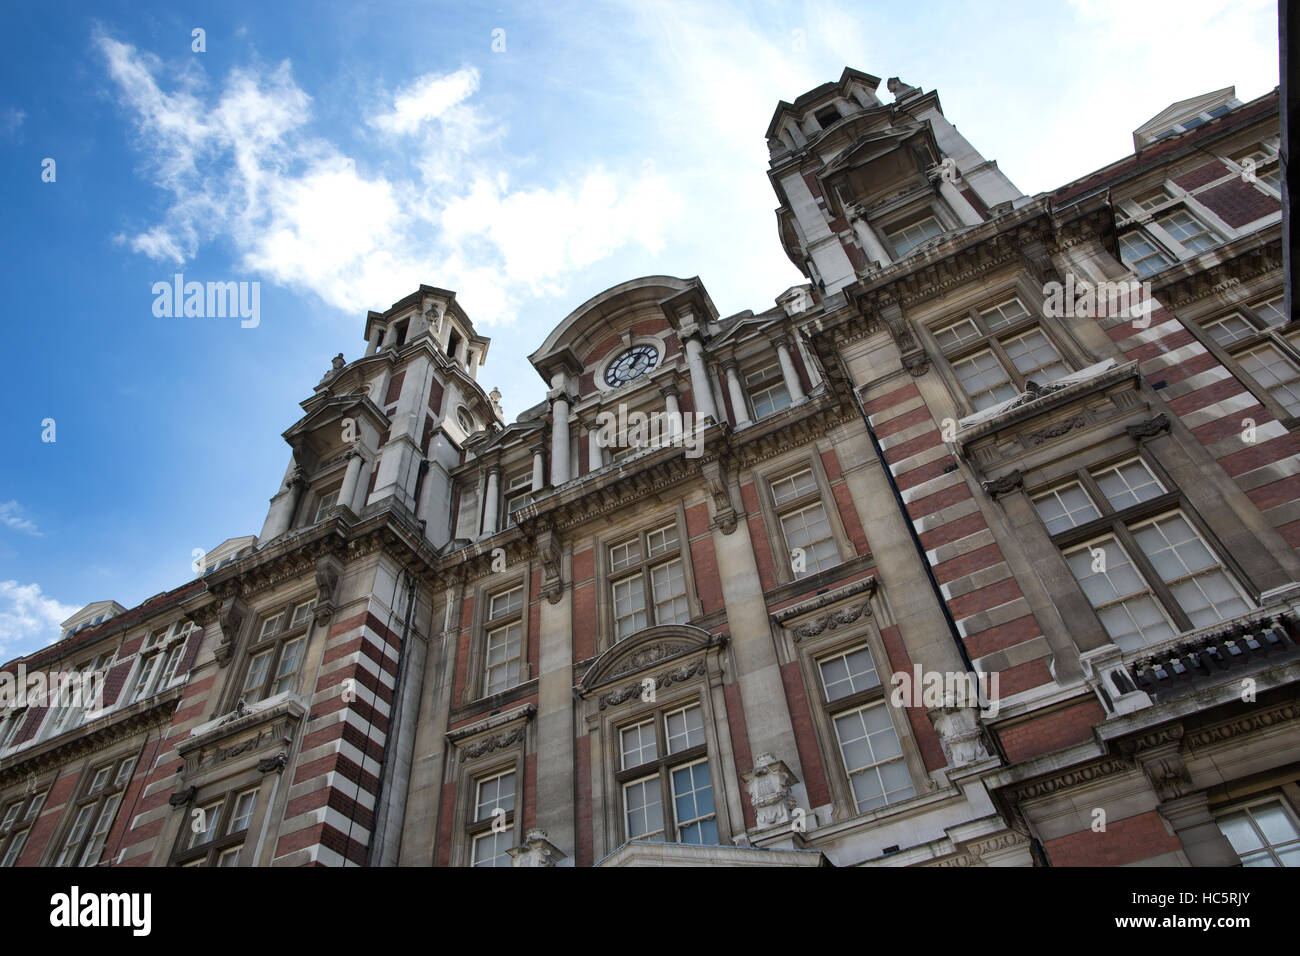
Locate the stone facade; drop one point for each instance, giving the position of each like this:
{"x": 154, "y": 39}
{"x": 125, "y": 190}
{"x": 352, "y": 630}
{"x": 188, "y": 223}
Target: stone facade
{"x": 976, "y": 549}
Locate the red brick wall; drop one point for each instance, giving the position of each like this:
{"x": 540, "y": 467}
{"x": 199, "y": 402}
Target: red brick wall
{"x": 1123, "y": 841}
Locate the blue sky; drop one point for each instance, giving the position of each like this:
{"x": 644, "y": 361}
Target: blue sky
{"x": 339, "y": 155}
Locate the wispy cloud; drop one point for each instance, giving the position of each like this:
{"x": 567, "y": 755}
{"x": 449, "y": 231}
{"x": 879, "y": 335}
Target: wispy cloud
{"x": 28, "y": 619}
{"x": 11, "y": 517}
{"x": 10, "y": 120}
{"x": 242, "y": 164}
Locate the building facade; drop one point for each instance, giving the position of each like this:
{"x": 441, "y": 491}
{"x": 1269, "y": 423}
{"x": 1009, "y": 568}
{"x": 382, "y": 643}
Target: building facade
{"x": 976, "y": 549}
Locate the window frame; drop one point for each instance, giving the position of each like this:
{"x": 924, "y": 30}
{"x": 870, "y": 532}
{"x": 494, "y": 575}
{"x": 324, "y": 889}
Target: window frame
{"x": 1245, "y": 806}
{"x": 157, "y": 649}
{"x": 1120, "y": 525}
{"x": 1262, "y": 333}
{"x": 644, "y": 567}
{"x": 773, "y": 514}
{"x": 507, "y": 619}
{"x": 275, "y": 643}
{"x": 91, "y": 800}
{"x": 477, "y": 827}
{"x": 212, "y": 850}
{"x": 14, "y": 832}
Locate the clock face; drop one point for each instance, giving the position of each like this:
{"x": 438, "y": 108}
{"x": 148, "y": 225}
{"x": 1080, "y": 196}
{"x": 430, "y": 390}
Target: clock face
{"x": 633, "y": 363}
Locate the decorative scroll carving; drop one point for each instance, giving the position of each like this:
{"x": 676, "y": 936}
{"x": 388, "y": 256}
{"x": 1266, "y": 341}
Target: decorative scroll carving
{"x": 1149, "y": 428}
{"x": 832, "y": 620}
{"x": 328, "y": 574}
{"x": 647, "y": 656}
{"x": 494, "y": 742}
{"x": 548, "y": 552}
{"x": 676, "y": 676}
{"x": 1056, "y": 430}
{"x": 229, "y": 619}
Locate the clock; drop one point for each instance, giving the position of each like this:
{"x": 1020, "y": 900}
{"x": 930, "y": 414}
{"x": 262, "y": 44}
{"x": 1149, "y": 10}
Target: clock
{"x": 633, "y": 363}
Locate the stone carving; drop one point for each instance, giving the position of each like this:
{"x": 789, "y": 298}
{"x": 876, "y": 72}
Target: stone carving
{"x": 229, "y": 618}
{"x": 959, "y": 732}
{"x": 184, "y": 797}
{"x": 1149, "y": 428}
{"x": 327, "y": 581}
{"x": 1008, "y": 482}
{"x": 273, "y": 764}
{"x": 917, "y": 364}
{"x": 1058, "y": 429}
{"x": 536, "y": 850}
{"x": 493, "y": 743}
{"x": 832, "y": 620}
{"x": 770, "y": 786}
{"x": 676, "y": 676}
{"x": 716, "y": 480}
{"x": 548, "y": 552}
{"x": 647, "y": 656}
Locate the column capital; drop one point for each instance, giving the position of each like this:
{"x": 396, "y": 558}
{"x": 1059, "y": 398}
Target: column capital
{"x": 668, "y": 388}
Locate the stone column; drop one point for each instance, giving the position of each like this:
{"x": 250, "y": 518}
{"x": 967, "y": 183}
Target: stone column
{"x": 738, "y": 406}
{"x": 363, "y": 485}
{"x": 871, "y": 244}
{"x": 814, "y": 379}
{"x": 473, "y": 363}
{"x": 788, "y": 370}
{"x": 490, "y": 501}
{"x": 958, "y": 203}
{"x": 539, "y": 467}
{"x": 700, "y": 388}
{"x": 372, "y": 346}
{"x": 279, "y": 518}
{"x": 595, "y": 458}
{"x": 673, "y": 410}
{"x": 559, "y": 429}
{"x": 1203, "y": 841}
{"x": 350, "y": 477}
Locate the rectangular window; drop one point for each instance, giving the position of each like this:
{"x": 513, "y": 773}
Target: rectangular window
{"x": 654, "y": 592}
{"x": 276, "y": 657}
{"x": 1264, "y": 834}
{"x": 872, "y": 757}
{"x": 1276, "y": 373}
{"x": 93, "y": 810}
{"x": 995, "y": 352}
{"x": 504, "y": 645}
{"x": 327, "y": 502}
{"x": 1148, "y": 578}
{"x": 492, "y": 829}
{"x": 16, "y": 821}
{"x": 665, "y": 778}
{"x": 907, "y": 238}
{"x": 767, "y": 391}
{"x": 1194, "y": 235}
{"x": 518, "y": 492}
{"x": 216, "y": 830}
{"x": 1142, "y": 254}
{"x": 1157, "y": 197}
{"x": 809, "y": 540}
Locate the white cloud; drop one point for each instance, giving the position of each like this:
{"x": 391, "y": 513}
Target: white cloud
{"x": 29, "y": 619}
{"x": 10, "y": 120}
{"x": 241, "y": 164}
{"x": 10, "y": 517}
{"x": 428, "y": 98}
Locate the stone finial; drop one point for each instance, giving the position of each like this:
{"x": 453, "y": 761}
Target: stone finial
{"x": 900, "y": 89}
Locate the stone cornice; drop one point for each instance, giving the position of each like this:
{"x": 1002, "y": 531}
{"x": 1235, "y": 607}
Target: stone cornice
{"x": 865, "y": 586}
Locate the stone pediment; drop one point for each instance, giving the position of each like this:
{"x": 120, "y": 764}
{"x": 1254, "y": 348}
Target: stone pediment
{"x": 654, "y": 645}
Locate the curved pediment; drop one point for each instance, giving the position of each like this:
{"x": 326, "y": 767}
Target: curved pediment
{"x": 652, "y": 646}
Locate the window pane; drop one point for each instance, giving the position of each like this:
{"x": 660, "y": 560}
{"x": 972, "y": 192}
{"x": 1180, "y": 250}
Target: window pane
{"x": 1034, "y": 357}
{"x": 1067, "y": 507}
{"x": 956, "y": 334}
{"x": 495, "y": 793}
{"x": 625, "y": 554}
{"x": 668, "y": 581}
{"x": 1141, "y": 254}
{"x": 685, "y": 728}
{"x": 1190, "y": 231}
{"x": 169, "y": 668}
{"x": 207, "y": 824}
{"x": 638, "y": 744}
{"x": 1153, "y": 199}
{"x": 873, "y": 758}
{"x": 326, "y": 503}
{"x": 770, "y": 399}
{"x": 490, "y": 849}
{"x": 271, "y": 625}
{"x": 95, "y": 846}
{"x": 144, "y": 683}
{"x": 78, "y": 833}
{"x": 809, "y": 530}
{"x": 290, "y": 661}
{"x": 1277, "y": 373}
{"x": 793, "y": 486}
{"x": 629, "y": 606}
{"x": 1229, "y": 330}
{"x": 661, "y": 540}
{"x": 229, "y": 857}
{"x": 1128, "y": 483}
{"x": 507, "y": 602}
{"x": 1122, "y": 599}
{"x": 693, "y": 804}
{"x": 1272, "y": 311}
{"x": 643, "y": 809}
{"x": 984, "y": 379}
{"x": 302, "y": 612}
{"x": 909, "y": 237}
{"x": 1181, "y": 558}
{"x": 256, "y": 677}
{"x": 504, "y": 657}
{"x": 848, "y": 673}
{"x": 1004, "y": 313}
{"x": 245, "y": 804}
{"x": 10, "y": 815}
